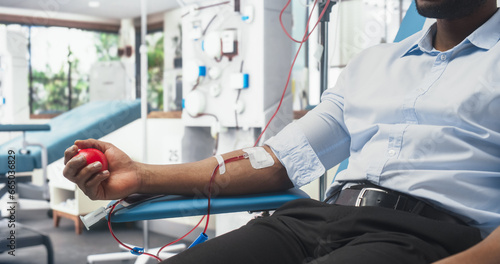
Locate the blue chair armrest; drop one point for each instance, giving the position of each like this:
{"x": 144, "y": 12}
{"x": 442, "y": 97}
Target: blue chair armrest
{"x": 24, "y": 127}
{"x": 180, "y": 206}
{"x": 24, "y": 161}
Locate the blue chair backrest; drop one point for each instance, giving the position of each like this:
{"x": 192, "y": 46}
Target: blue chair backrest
{"x": 411, "y": 24}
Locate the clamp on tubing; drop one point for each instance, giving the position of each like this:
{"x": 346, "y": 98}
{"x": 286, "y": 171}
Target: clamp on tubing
{"x": 137, "y": 251}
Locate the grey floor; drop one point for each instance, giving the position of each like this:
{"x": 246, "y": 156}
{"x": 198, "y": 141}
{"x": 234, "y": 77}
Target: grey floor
{"x": 72, "y": 248}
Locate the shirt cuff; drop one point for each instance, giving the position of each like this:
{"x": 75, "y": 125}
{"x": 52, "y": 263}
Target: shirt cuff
{"x": 293, "y": 150}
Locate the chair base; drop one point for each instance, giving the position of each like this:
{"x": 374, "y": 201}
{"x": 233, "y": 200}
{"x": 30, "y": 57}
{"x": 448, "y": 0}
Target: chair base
{"x": 27, "y": 237}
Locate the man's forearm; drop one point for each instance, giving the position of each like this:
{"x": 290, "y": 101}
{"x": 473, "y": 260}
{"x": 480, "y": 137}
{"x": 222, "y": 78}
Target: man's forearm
{"x": 192, "y": 178}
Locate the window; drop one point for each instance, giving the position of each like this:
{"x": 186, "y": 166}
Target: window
{"x": 61, "y": 59}
{"x": 154, "y": 42}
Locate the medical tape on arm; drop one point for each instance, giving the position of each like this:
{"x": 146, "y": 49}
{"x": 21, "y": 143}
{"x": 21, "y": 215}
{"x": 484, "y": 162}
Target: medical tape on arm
{"x": 222, "y": 165}
{"x": 259, "y": 157}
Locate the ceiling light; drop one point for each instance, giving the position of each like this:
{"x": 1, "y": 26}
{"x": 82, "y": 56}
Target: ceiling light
{"x": 94, "y": 4}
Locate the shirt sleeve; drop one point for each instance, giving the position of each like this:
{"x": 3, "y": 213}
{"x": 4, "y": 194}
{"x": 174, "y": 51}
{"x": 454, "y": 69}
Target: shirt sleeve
{"x": 316, "y": 142}
{"x": 293, "y": 150}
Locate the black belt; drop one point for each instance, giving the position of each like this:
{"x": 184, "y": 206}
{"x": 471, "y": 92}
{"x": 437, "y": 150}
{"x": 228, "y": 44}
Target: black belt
{"x": 370, "y": 195}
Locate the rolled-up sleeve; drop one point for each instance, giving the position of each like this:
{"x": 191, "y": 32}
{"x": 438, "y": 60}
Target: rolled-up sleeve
{"x": 316, "y": 142}
{"x": 293, "y": 150}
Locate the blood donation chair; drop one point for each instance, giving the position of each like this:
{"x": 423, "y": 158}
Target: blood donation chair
{"x": 41, "y": 145}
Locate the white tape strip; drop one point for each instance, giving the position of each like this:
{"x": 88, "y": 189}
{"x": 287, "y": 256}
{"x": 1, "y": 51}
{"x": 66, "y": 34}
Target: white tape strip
{"x": 222, "y": 165}
{"x": 259, "y": 158}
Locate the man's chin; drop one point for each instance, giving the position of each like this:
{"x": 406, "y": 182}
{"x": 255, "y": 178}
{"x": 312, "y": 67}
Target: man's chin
{"x": 447, "y": 9}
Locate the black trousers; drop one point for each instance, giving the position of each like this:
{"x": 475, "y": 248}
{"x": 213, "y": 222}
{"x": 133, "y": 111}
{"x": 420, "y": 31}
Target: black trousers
{"x": 310, "y": 232}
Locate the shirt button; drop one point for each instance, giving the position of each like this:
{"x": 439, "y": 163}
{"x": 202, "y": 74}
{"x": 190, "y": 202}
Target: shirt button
{"x": 391, "y": 153}
{"x": 443, "y": 57}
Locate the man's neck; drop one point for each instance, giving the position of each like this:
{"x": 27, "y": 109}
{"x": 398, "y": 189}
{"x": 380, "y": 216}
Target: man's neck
{"x": 451, "y": 32}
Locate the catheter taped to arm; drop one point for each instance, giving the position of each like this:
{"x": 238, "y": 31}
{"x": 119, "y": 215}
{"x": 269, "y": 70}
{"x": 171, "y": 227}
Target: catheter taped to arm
{"x": 259, "y": 157}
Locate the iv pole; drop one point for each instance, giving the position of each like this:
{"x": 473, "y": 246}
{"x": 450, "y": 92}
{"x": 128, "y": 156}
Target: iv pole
{"x": 143, "y": 49}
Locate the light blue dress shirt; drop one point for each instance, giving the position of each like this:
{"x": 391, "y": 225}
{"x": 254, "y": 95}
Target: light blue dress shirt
{"x": 412, "y": 119}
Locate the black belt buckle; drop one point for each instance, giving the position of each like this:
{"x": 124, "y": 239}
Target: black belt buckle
{"x": 362, "y": 193}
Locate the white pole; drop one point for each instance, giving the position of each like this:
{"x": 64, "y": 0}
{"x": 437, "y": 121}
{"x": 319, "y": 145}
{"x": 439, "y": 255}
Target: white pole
{"x": 144, "y": 78}
{"x": 144, "y": 100}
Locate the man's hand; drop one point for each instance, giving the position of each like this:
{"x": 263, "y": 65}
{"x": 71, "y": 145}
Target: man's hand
{"x": 120, "y": 180}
